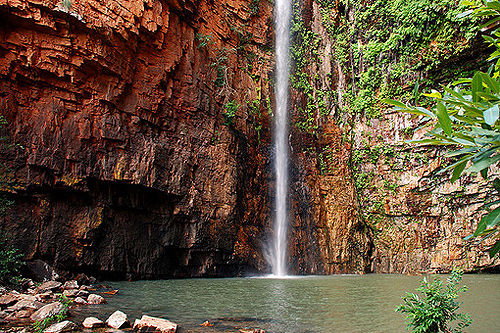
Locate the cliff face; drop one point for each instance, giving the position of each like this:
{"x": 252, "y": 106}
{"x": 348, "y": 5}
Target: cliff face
{"x": 418, "y": 219}
{"x": 141, "y": 130}
{"x": 142, "y": 142}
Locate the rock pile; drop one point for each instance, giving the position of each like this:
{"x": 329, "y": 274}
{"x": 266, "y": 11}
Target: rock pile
{"x": 39, "y": 302}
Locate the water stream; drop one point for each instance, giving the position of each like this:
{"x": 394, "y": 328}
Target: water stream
{"x": 320, "y": 304}
{"x": 283, "y": 11}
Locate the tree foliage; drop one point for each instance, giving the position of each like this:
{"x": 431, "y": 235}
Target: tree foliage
{"x": 466, "y": 115}
{"x": 437, "y": 309}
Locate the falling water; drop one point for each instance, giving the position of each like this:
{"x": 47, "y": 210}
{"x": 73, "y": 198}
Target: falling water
{"x": 283, "y": 11}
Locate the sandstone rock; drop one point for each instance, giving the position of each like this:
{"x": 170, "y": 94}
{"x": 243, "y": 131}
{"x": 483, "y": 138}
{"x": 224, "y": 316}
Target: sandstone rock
{"x": 8, "y": 299}
{"x": 157, "y": 325}
{"x": 23, "y": 314}
{"x": 45, "y": 296}
{"x": 80, "y": 301}
{"x": 49, "y": 286}
{"x": 140, "y": 131}
{"x": 95, "y": 299}
{"x": 40, "y": 271}
{"x": 118, "y": 320}
{"x": 92, "y": 322}
{"x": 82, "y": 293}
{"x": 25, "y": 305}
{"x": 48, "y": 311}
{"x": 63, "y": 326}
{"x": 71, "y": 293}
{"x": 68, "y": 285}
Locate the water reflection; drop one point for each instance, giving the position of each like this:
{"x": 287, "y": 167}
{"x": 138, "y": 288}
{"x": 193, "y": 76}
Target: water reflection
{"x": 312, "y": 304}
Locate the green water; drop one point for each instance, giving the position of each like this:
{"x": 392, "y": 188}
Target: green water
{"x": 345, "y": 303}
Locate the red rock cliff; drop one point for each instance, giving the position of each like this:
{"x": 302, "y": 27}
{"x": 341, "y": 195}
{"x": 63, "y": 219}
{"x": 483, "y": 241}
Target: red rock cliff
{"x": 142, "y": 128}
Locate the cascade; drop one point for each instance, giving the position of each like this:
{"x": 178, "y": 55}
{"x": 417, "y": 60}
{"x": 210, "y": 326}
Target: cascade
{"x": 283, "y": 15}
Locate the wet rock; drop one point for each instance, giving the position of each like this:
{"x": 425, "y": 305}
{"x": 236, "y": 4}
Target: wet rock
{"x": 95, "y": 299}
{"x": 48, "y": 311}
{"x": 206, "y": 324}
{"x": 49, "y": 286}
{"x": 118, "y": 320}
{"x": 70, "y": 285}
{"x": 82, "y": 279}
{"x": 80, "y": 301}
{"x": 63, "y": 326}
{"x": 92, "y": 322}
{"x": 157, "y": 325}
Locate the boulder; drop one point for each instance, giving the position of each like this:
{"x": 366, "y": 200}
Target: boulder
{"x": 9, "y": 299}
{"x": 156, "y": 325}
{"x": 82, "y": 293}
{"x": 23, "y": 314}
{"x": 25, "y": 305}
{"x": 71, "y": 293}
{"x": 118, "y": 320}
{"x": 92, "y": 322}
{"x": 40, "y": 271}
{"x": 48, "y": 311}
{"x": 63, "y": 326}
{"x": 95, "y": 299}
{"x": 70, "y": 285}
{"x": 49, "y": 286}
{"x": 80, "y": 300}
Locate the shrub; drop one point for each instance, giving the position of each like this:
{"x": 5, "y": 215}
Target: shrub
{"x": 437, "y": 309}
{"x": 9, "y": 262}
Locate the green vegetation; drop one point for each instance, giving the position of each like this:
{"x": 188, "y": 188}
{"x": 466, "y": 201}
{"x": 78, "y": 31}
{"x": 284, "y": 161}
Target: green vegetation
{"x": 390, "y": 48}
{"x": 230, "y": 110}
{"x": 10, "y": 262}
{"x": 466, "y": 115}
{"x": 40, "y": 326}
{"x": 305, "y": 54}
{"x": 437, "y": 310}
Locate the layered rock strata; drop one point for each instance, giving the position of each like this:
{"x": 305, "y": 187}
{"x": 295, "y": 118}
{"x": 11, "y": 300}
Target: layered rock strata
{"x": 140, "y": 131}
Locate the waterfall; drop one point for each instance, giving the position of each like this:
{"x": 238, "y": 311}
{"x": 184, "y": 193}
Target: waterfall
{"x": 283, "y": 10}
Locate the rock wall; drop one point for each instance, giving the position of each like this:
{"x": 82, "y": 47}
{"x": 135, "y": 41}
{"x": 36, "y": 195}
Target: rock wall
{"x": 141, "y": 134}
{"x": 417, "y": 218}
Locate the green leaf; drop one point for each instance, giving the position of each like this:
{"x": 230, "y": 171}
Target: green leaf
{"x": 394, "y": 103}
{"x": 491, "y": 115}
{"x": 489, "y": 220}
{"x": 464, "y": 14}
{"x": 490, "y": 82}
{"x": 434, "y": 94}
{"x": 484, "y": 163}
{"x": 494, "y": 250}
{"x": 477, "y": 85}
{"x": 444, "y": 118}
{"x": 457, "y": 172}
{"x": 495, "y": 5}
{"x": 461, "y": 152}
{"x": 484, "y": 173}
